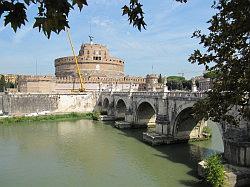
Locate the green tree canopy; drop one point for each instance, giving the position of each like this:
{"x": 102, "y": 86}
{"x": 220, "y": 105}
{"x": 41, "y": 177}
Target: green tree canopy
{"x": 10, "y": 85}
{"x": 228, "y": 54}
{"x": 176, "y": 78}
{"x": 178, "y": 83}
{"x": 2, "y": 83}
{"x": 211, "y": 74}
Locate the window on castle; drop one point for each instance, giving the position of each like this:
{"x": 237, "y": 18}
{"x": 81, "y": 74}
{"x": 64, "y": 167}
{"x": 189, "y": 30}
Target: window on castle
{"x": 97, "y": 58}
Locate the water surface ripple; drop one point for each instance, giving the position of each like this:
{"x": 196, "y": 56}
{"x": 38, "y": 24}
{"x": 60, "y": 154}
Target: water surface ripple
{"x": 87, "y": 153}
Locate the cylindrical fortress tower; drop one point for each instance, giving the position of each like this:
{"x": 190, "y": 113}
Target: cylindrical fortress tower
{"x": 94, "y": 60}
{"x": 151, "y": 82}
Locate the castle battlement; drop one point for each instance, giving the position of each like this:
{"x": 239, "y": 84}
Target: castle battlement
{"x": 35, "y": 78}
{"x": 123, "y": 80}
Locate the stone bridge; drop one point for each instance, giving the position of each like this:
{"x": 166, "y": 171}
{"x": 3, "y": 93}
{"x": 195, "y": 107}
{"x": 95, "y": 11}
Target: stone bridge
{"x": 169, "y": 112}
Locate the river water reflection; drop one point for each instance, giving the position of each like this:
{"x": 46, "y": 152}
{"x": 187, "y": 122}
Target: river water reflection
{"x": 87, "y": 153}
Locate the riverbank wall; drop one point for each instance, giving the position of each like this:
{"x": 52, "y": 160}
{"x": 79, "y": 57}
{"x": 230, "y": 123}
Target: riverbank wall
{"x": 25, "y": 103}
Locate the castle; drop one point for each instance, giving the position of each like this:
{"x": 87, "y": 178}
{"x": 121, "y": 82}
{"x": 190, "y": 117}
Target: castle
{"x": 99, "y": 70}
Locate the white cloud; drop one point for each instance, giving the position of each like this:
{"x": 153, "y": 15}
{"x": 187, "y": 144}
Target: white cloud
{"x": 21, "y": 33}
{"x": 100, "y": 22}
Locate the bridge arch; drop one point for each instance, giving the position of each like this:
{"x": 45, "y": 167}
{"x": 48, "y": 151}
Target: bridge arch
{"x": 121, "y": 109}
{"x": 183, "y": 106}
{"x": 105, "y": 104}
{"x": 146, "y": 114}
{"x": 186, "y": 126}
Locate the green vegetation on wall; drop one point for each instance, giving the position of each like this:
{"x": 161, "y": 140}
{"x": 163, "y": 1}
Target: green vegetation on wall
{"x": 54, "y": 117}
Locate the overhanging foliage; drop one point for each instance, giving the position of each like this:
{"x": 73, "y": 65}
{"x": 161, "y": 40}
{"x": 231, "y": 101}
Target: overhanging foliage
{"x": 228, "y": 54}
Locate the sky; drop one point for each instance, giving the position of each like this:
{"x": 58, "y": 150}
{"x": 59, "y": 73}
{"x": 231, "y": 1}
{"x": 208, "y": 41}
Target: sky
{"x": 163, "y": 48}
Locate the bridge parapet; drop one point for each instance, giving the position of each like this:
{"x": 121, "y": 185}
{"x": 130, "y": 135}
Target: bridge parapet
{"x": 122, "y": 93}
{"x": 160, "y": 94}
{"x": 185, "y": 94}
{"x": 147, "y": 93}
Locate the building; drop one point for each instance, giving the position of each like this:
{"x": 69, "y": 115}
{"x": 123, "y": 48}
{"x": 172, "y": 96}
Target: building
{"x": 94, "y": 60}
{"x": 99, "y": 71}
{"x": 205, "y": 84}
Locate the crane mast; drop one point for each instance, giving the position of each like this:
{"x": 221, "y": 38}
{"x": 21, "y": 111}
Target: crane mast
{"x": 76, "y": 61}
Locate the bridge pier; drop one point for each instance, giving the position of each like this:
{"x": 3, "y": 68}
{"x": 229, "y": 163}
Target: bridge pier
{"x": 167, "y": 132}
{"x": 130, "y": 121}
{"x": 161, "y": 134}
{"x": 169, "y": 113}
{"x": 162, "y": 124}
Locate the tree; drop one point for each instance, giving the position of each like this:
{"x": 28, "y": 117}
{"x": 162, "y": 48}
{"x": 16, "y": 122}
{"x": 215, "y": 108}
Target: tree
{"x": 211, "y": 74}
{"x": 187, "y": 85}
{"x": 10, "y": 85}
{"x": 175, "y": 78}
{"x": 52, "y": 15}
{"x": 178, "y": 83}
{"x": 228, "y": 54}
{"x": 2, "y": 83}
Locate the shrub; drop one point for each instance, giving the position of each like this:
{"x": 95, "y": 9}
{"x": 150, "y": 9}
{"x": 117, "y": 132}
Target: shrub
{"x": 214, "y": 171}
{"x": 52, "y": 117}
{"x": 96, "y": 115}
{"x": 207, "y": 130}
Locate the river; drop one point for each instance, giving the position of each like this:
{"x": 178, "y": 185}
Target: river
{"x": 87, "y": 153}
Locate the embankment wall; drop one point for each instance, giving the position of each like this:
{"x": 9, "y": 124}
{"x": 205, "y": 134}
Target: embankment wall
{"x": 22, "y": 103}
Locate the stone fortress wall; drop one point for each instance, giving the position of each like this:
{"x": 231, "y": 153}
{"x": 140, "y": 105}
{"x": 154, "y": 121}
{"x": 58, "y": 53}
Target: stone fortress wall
{"x": 38, "y": 84}
{"x": 47, "y": 84}
{"x": 93, "y": 60}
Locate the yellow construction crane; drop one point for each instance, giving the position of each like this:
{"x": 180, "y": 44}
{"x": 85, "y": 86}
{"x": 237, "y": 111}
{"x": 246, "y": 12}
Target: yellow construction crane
{"x": 82, "y": 89}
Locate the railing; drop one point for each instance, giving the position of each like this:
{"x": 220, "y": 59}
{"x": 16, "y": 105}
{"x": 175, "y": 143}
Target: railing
{"x": 143, "y": 93}
{"x": 185, "y": 94}
{"x": 162, "y": 94}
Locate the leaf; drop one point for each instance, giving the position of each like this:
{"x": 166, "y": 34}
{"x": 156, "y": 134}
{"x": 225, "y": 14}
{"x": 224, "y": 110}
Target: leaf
{"x": 80, "y": 3}
{"x": 16, "y": 16}
{"x": 227, "y": 53}
{"x": 135, "y": 14}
